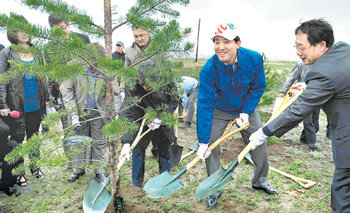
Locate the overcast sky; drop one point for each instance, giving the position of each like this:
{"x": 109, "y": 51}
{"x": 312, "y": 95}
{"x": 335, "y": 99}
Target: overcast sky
{"x": 265, "y": 25}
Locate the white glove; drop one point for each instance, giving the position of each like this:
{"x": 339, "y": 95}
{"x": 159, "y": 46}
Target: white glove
{"x": 243, "y": 119}
{"x": 257, "y": 138}
{"x": 125, "y": 152}
{"x": 202, "y": 150}
{"x": 155, "y": 123}
{"x": 122, "y": 95}
{"x": 116, "y": 117}
{"x": 75, "y": 121}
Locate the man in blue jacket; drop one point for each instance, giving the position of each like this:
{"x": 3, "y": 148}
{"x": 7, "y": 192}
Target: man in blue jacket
{"x": 231, "y": 84}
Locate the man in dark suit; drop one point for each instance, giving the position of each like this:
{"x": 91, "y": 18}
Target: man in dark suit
{"x": 328, "y": 87}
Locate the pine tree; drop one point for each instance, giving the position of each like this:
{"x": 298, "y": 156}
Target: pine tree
{"x": 65, "y": 63}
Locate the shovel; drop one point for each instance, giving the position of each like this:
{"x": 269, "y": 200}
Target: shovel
{"x": 194, "y": 147}
{"x": 176, "y": 150}
{"x": 303, "y": 182}
{"x": 97, "y": 197}
{"x": 222, "y": 177}
{"x": 165, "y": 183}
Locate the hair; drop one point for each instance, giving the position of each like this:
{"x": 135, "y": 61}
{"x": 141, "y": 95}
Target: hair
{"x": 317, "y": 30}
{"x": 53, "y": 20}
{"x": 236, "y": 39}
{"x": 12, "y": 34}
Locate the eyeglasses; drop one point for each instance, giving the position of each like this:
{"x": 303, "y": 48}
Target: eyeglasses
{"x": 301, "y": 48}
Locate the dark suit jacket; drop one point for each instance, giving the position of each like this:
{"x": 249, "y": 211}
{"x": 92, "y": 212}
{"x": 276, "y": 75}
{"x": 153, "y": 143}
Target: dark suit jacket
{"x": 328, "y": 87}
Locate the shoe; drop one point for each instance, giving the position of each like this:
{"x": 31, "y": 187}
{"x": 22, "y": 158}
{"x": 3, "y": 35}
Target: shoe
{"x": 100, "y": 177}
{"x": 75, "y": 176}
{"x": 302, "y": 142}
{"x": 185, "y": 125}
{"x": 20, "y": 182}
{"x": 12, "y": 191}
{"x": 37, "y": 172}
{"x": 213, "y": 199}
{"x": 266, "y": 188}
{"x": 313, "y": 147}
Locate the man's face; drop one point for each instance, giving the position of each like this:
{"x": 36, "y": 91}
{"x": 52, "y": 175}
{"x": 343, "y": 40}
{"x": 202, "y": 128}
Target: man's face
{"x": 141, "y": 37}
{"x": 64, "y": 26}
{"x": 306, "y": 52}
{"x": 226, "y": 50}
{"x": 119, "y": 48}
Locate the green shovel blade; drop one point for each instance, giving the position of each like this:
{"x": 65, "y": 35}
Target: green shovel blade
{"x": 213, "y": 183}
{"x": 216, "y": 181}
{"x": 97, "y": 197}
{"x": 163, "y": 184}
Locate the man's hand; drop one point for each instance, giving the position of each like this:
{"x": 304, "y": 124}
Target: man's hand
{"x": 243, "y": 119}
{"x": 155, "y": 123}
{"x": 125, "y": 152}
{"x": 202, "y": 151}
{"x": 75, "y": 121}
{"x": 4, "y": 112}
{"x": 257, "y": 138}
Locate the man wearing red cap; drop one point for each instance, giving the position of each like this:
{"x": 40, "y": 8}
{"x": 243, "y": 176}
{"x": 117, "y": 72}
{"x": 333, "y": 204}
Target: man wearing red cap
{"x": 231, "y": 84}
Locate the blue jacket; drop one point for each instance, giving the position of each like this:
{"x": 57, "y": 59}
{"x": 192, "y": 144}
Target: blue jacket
{"x": 229, "y": 90}
{"x": 188, "y": 85}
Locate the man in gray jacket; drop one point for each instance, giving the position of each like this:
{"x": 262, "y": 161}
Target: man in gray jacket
{"x": 133, "y": 54}
{"x": 311, "y": 126}
{"x": 86, "y": 97}
{"x": 328, "y": 87}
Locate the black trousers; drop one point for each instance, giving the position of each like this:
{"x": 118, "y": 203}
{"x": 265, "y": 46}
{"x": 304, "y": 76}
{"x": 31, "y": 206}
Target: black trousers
{"x": 340, "y": 191}
{"x": 7, "y": 179}
{"x": 32, "y": 125}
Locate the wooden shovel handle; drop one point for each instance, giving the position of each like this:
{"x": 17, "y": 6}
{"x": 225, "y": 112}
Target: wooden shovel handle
{"x": 136, "y": 141}
{"x": 215, "y": 144}
{"x": 303, "y": 182}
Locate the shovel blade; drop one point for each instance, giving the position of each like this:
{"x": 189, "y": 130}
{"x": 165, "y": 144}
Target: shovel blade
{"x": 213, "y": 183}
{"x": 176, "y": 153}
{"x": 96, "y": 198}
{"x": 162, "y": 185}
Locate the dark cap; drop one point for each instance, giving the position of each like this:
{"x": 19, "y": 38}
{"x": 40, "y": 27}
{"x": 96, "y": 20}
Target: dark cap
{"x": 119, "y": 43}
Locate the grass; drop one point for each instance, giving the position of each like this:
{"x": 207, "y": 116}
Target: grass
{"x": 53, "y": 193}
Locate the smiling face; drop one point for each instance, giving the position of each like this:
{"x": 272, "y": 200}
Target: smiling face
{"x": 119, "y": 48}
{"x": 226, "y": 50}
{"x": 309, "y": 53}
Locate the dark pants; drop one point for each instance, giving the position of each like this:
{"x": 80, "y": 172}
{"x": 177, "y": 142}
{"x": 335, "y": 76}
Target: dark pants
{"x": 160, "y": 141}
{"x": 32, "y": 124}
{"x": 311, "y": 127}
{"x": 340, "y": 194}
{"x": 7, "y": 179}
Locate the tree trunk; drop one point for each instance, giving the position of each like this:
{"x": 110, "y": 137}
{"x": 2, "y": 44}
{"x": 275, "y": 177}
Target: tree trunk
{"x": 199, "y": 26}
{"x": 108, "y": 27}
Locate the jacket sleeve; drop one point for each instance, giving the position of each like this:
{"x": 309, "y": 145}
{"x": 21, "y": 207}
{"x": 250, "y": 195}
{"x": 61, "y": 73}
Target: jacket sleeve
{"x": 69, "y": 97}
{"x": 256, "y": 90}
{"x": 292, "y": 77}
{"x": 319, "y": 91}
{"x": 205, "y": 102}
{"x": 129, "y": 113}
{"x": 4, "y": 66}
